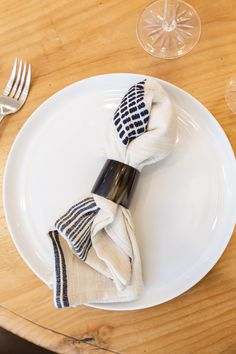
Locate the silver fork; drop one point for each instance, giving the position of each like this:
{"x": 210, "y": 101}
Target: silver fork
{"x": 16, "y": 90}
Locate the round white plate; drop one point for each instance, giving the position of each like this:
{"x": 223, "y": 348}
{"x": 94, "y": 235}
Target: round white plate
{"x": 184, "y": 208}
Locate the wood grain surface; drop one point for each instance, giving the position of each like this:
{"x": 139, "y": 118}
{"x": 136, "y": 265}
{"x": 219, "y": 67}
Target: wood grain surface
{"x": 68, "y": 40}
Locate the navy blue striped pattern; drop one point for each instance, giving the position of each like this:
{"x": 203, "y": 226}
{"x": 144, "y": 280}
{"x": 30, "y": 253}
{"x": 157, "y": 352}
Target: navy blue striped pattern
{"x": 131, "y": 117}
{"x": 76, "y": 225}
{"x": 61, "y": 296}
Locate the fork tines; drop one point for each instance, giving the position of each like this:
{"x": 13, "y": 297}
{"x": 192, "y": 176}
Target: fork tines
{"x": 19, "y": 82}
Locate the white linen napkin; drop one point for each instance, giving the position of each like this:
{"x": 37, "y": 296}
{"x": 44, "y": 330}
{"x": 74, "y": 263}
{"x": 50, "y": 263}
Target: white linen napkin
{"x": 96, "y": 256}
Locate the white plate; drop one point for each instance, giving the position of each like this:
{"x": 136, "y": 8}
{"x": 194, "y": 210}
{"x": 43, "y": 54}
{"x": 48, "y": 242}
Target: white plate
{"x": 184, "y": 208}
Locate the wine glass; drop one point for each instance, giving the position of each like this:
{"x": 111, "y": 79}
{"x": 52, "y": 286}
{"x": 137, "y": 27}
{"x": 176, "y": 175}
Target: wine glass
{"x": 168, "y": 28}
{"x": 230, "y": 94}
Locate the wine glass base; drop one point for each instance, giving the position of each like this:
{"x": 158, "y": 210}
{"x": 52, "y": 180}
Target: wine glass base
{"x": 230, "y": 94}
{"x": 168, "y": 29}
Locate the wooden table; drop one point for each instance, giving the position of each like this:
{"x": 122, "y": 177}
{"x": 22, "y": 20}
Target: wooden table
{"x": 67, "y": 41}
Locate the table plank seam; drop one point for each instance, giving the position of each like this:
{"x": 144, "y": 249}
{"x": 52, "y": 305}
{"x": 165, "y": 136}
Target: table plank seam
{"x": 76, "y": 340}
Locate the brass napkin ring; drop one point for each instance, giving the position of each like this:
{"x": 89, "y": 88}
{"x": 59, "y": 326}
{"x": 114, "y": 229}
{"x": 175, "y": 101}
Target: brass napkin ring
{"x": 116, "y": 182}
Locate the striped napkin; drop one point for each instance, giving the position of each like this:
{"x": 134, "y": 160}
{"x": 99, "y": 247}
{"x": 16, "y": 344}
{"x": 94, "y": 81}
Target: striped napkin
{"x": 96, "y": 256}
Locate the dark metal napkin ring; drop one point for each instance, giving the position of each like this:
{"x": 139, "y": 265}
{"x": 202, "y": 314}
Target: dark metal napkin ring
{"x": 116, "y": 182}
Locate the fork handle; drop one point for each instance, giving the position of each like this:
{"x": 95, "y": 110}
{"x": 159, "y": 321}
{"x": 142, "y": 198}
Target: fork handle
{"x": 2, "y": 116}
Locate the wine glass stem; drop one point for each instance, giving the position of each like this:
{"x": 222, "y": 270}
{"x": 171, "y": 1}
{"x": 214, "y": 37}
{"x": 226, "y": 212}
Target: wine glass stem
{"x": 165, "y": 10}
{"x": 169, "y": 16}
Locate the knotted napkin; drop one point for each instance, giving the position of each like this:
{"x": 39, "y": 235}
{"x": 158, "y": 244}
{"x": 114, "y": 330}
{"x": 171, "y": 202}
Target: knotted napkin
{"x": 96, "y": 256}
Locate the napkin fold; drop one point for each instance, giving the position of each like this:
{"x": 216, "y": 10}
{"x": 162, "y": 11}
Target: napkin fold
{"x": 96, "y": 256}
